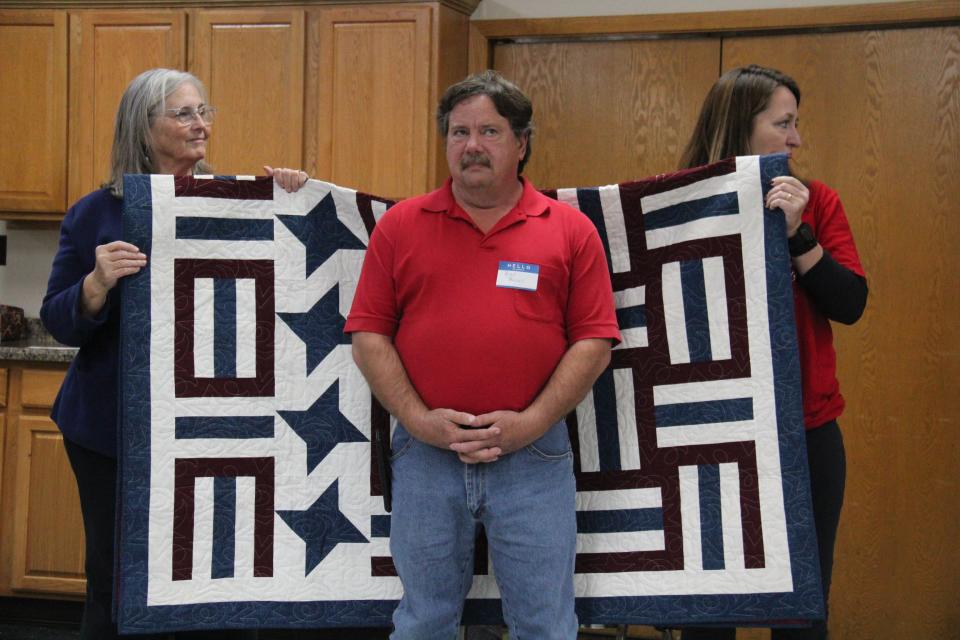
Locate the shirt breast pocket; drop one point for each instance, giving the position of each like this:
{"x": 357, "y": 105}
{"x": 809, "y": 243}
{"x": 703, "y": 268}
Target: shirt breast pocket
{"x": 548, "y": 302}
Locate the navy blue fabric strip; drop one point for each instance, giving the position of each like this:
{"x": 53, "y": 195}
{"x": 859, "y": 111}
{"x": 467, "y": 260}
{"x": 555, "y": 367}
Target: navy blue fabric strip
{"x": 224, "y": 328}
{"x": 224, "y": 527}
{"x": 695, "y": 310}
{"x": 711, "y": 520}
{"x": 379, "y": 526}
{"x": 589, "y": 203}
{"x": 706, "y": 412}
{"x": 617, "y": 520}
{"x": 725, "y": 204}
{"x": 201, "y": 228}
{"x": 237, "y": 427}
{"x": 608, "y": 435}
{"x": 632, "y": 317}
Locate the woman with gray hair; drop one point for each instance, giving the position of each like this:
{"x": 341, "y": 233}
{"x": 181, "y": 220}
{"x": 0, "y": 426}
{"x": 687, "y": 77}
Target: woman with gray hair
{"x": 162, "y": 126}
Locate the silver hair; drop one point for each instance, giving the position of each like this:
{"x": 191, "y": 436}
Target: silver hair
{"x": 140, "y": 105}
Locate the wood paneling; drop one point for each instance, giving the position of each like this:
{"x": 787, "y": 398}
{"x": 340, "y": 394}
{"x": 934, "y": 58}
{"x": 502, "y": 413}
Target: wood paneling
{"x": 109, "y": 49}
{"x": 3, "y": 390}
{"x": 609, "y": 111}
{"x": 251, "y": 62}
{"x": 777, "y": 19}
{"x": 370, "y": 74}
{"x": 33, "y": 101}
{"x": 48, "y": 526}
{"x": 880, "y": 117}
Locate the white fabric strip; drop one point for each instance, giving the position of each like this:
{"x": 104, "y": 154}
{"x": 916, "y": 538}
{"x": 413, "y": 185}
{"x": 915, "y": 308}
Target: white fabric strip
{"x": 674, "y": 314}
{"x": 716, "y": 289}
{"x": 203, "y": 327}
{"x": 246, "y": 328}
{"x": 587, "y": 434}
{"x": 613, "y": 220}
{"x": 627, "y": 419}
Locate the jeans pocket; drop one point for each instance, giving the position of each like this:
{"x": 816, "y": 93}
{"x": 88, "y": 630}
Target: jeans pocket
{"x": 553, "y": 445}
{"x": 401, "y": 443}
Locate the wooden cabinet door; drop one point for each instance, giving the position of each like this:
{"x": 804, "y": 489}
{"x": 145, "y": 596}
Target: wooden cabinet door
{"x": 251, "y": 62}
{"x": 33, "y": 101}
{"x": 108, "y": 50}
{"x": 44, "y": 528}
{"x": 369, "y": 80}
{"x": 48, "y": 531}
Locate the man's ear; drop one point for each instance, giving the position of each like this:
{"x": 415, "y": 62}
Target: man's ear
{"x": 524, "y": 140}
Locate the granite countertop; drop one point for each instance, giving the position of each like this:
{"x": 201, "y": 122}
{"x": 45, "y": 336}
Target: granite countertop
{"x": 38, "y": 346}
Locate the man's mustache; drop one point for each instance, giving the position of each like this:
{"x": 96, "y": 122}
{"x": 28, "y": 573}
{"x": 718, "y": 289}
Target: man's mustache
{"x": 471, "y": 159}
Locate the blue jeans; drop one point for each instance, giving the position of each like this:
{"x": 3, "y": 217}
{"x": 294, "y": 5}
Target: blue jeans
{"x": 526, "y": 504}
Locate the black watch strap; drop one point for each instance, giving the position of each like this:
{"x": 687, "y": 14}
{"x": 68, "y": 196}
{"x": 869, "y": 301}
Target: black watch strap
{"x": 802, "y": 241}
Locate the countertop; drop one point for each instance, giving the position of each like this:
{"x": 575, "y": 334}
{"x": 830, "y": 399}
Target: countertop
{"x": 34, "y": 350}
{"x": 39, "y": 346}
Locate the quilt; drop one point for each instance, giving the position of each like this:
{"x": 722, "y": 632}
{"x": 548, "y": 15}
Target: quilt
{"x": 251, "y": 490}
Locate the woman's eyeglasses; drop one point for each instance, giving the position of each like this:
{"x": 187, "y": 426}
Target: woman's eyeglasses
{"x": 186, "y": 115}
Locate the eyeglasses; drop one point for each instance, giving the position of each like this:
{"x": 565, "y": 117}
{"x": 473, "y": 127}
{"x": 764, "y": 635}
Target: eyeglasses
{"x": 186, "y": 115}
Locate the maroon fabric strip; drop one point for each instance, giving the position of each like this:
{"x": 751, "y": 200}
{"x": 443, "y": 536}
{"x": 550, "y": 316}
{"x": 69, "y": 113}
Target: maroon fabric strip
{"x": 260, "y": 188}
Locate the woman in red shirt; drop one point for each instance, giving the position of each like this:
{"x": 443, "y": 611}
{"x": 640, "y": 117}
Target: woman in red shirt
{"x": 753, "y": 110}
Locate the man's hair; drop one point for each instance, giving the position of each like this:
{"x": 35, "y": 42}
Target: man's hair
{"x": 510, "y": 101}
{"x": 726, "y": 117}
{"x": 143, "y": 102}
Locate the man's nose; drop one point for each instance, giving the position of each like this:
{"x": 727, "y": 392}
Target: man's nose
{"x": 473, "y": 141}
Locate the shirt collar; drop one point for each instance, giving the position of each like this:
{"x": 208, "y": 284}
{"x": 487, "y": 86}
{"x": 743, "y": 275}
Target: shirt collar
{"x": 530, "y": 204}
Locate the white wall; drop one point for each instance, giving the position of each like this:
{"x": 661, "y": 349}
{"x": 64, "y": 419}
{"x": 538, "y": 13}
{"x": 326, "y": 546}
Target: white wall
{"x": 23, "y": 281}
{"x": 29, "y": 252}
{"x": 505, "y": 9}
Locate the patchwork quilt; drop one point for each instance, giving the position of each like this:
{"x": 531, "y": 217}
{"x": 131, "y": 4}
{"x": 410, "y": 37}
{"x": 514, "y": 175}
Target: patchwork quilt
{"x": 251, "y": 486}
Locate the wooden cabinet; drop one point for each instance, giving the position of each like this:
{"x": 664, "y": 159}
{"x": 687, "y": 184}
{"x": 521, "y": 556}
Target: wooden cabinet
{"x": 107, "y": 50}
{"x": 375, "y": 74}
{"x": 33, "y": 101}
{"x": 346, "y": 91}
{"x": 376, "y": 81}
{"x": 251, "y": 62}
{"x": 41, "y": 531}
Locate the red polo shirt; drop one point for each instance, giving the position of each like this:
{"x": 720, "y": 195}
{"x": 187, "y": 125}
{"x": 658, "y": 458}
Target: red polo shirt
{"x": 429, "y": 280}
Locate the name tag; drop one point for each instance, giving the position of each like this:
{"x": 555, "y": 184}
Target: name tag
{"x": 518, "y": 275}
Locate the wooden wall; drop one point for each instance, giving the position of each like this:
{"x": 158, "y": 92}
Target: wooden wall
{"x": 880, "y": 120}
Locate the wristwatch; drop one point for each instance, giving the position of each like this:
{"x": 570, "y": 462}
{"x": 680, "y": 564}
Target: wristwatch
{"x": 802, "y": 241}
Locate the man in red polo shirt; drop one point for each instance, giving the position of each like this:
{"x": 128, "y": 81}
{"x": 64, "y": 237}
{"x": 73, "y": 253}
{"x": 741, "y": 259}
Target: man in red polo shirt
{"x": 483, "y": 315}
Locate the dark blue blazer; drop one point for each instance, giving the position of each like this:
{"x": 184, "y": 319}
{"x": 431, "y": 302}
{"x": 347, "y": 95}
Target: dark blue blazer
{"x": 86, "y": 407}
